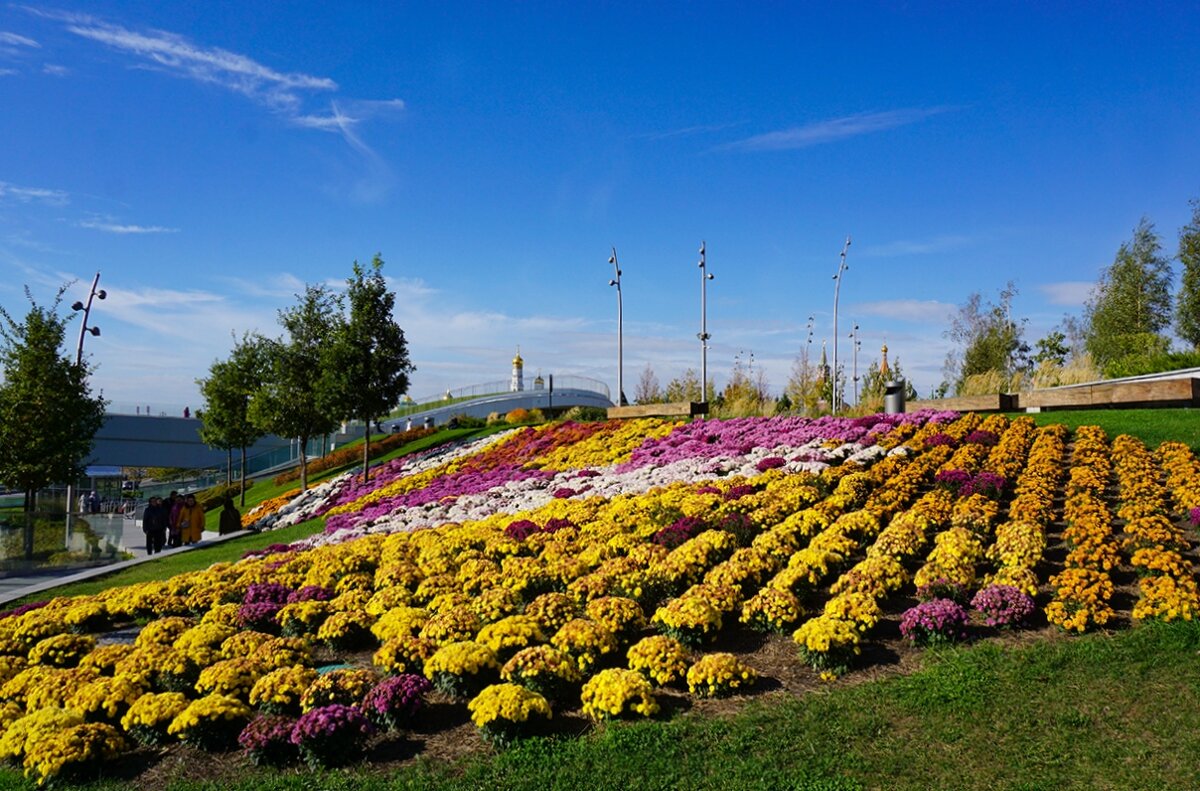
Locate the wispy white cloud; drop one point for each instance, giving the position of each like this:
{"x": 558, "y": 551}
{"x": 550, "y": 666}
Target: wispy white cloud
{"x": 833, "y": 129}
{"x": 33, "y": 194}
{"x": 1072, "y": 293}
{"x": 55, "y": 70}
{"x": 16, "y": 40}
{"x": 289, "y": 94}
{"x": 176, "y": 55}
{"x": 901, "y": 247}
{"x": 688, "y": 131}
{"x": 928, "y": 311}
{"x": 7, "y": 72}
{"x": 119, "y": 228}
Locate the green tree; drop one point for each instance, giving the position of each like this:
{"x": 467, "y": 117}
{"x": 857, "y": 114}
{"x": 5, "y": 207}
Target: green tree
{"x": 225, "y": 416}
{"x": 291, "y": 402}
{"x": 987, "y": 339}
{"x": 804, "y": 385}
{"x": 48, "y": 416}
{"x": 1052, "y": 349}
{"x": 1131, "y": 304}
{"x": 366, "y": 366}
{"x": 746, "y": 394}
{"x": 1187, "y": 302}
{"x": 687, "y": 388}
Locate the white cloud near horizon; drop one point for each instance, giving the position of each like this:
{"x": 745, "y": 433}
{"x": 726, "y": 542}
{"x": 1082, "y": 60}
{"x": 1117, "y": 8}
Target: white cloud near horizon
{"x": 1071, "y": 293}
{"x": 928, "y": 311}
{"x": 834, "y": 129}
{"x": 30, "y": 194}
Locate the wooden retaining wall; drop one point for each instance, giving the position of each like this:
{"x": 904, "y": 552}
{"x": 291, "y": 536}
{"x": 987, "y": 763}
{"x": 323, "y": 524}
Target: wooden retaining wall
{"x": 673, "y": 409}
{"x": 1155, "y": 393}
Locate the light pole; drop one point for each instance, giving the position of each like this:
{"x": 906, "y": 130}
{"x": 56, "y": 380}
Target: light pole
{"x": 616, "y": 281}
{"x": 836, "y": 289}
{"x": 703, "y": 335}
{"x": 857, "y": 345}
{"x": 83, "y": 332}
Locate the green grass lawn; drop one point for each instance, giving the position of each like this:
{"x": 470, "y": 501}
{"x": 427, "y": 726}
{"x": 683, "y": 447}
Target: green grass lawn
{"x": 1153, "y": 426}
{"x": 1095, "y": 712}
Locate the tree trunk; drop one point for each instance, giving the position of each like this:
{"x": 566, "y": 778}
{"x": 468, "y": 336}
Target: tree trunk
{"x": 243, "y": 476}
{"x": 30, "y": 498}
{"x": 303, "y": 464}
{"x": 367, "y": 451}
{"x": 228, "y": 466}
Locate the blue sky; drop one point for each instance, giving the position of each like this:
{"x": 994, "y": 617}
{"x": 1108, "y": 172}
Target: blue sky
{"x": 211, "y": 158}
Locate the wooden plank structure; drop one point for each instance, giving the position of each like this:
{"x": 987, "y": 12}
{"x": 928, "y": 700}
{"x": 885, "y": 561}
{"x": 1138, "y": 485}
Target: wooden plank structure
{"x": 672, "y": 409}
{"x": 996, "y": 402}
{"x": 1183, "y": 392}
{"x": 1154, "y": 393}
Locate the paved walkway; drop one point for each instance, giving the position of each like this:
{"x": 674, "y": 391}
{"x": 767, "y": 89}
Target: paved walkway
{"x": 124, "y": 534}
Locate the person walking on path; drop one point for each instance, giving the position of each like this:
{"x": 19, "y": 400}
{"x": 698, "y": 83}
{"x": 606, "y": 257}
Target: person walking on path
{"x": 174, "y": 505}
{"x": 154, "y": 525}
{"x": 231, "y": 520}
{"x": 190, "y": 521}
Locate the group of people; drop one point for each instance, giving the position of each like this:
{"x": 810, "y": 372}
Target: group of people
{"x": 179, "y": 520}
{"x": 172, "y": 522}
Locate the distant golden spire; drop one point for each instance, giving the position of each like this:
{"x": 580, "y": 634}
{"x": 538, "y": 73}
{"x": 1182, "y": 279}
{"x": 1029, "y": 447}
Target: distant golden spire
{"x": 883, "y": 367}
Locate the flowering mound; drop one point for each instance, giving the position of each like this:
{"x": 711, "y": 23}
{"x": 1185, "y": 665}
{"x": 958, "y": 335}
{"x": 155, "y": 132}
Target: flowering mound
{"x": 589, "y": 566}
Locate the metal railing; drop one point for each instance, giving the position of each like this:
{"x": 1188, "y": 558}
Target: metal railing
{"x": 500, "y": 387}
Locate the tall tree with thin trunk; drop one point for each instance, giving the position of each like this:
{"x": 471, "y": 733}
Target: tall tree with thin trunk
{"x": 225, "y": 417}
{"x": 1187, "y": 302}
{"x": 987, "y": 340}
{"x": 48, "y": 416}
{"x": 1131, "y": 305}
{"x": 647, "y": 390}
{"x": 291, "y": 401}
{"x": 366, "y": 367}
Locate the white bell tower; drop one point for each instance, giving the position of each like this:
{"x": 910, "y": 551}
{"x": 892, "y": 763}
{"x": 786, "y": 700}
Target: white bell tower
{"x": 518, "y": 373}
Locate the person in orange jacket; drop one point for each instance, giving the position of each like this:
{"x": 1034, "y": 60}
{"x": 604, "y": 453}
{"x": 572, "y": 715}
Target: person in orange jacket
{"x": 189, "y": 521}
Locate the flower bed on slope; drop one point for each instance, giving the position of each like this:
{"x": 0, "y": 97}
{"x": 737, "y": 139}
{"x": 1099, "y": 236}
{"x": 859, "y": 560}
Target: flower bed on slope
{"x": 549, "y": 555}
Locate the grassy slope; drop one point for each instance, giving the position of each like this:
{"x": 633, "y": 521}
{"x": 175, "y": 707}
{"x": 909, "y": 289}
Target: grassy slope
{"x": 1101, "y": 711}
{"x": 1153, "y": 426}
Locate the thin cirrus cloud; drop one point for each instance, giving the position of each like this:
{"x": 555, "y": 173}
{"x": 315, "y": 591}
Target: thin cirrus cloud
{"x": 902, "y": 247}
{"x": 174, "y": 54}
{"x": 287, "y": 93}
{"x": 832, "y": 130}
{"x": 32, "y": 194}
{"x": 121, "y": 228}
{"x": 15, "y": 40}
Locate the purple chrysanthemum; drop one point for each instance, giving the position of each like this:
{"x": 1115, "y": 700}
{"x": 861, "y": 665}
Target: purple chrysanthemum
{"x": 937, "y": 621}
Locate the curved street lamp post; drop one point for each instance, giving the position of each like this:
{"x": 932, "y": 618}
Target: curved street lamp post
{"x": 616, "y": 281}
{"x": 836, "y": 289}
{"x": 84, "y": 330}
{"x": 704, "y": 335}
